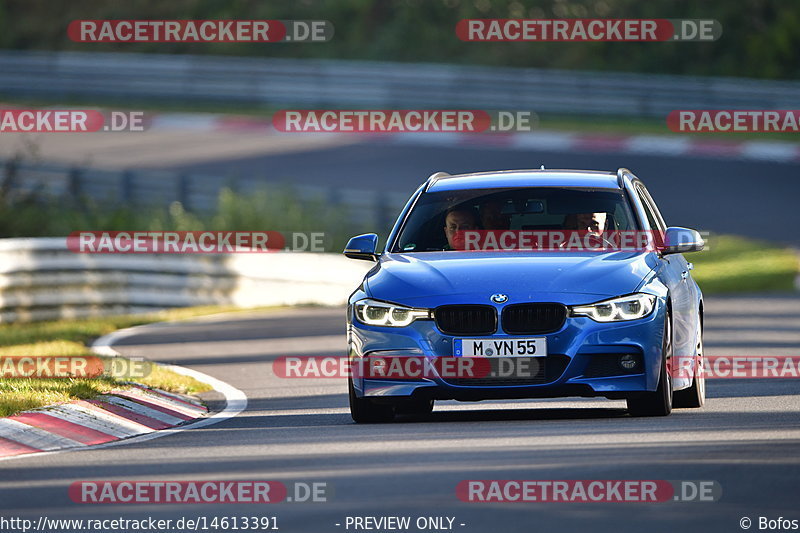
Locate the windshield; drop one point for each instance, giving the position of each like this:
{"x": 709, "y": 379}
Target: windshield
{"x": 438, "y": 217}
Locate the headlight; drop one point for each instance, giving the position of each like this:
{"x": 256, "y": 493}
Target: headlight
{"x": 375, "y": 313}
{"x": 629, "y": 307}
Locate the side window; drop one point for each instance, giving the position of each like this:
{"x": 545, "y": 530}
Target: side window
{"x": 662, "y": 224}
{"x": 653, "y": 216}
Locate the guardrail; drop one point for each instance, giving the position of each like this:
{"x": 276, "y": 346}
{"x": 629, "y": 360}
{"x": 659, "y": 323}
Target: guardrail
{"x": 277, "y": 82}
{"x": 40, "y": 279}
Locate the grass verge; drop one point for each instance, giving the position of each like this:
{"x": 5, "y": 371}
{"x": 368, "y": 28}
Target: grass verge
{"x": 737, "y": 264}
{"x": 70, "y": 338}
{"x": 22, "y": 394}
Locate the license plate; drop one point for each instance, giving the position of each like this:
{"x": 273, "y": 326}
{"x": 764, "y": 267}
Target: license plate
{"x": 503, "y": 347}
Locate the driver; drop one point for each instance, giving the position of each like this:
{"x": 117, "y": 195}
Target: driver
{"x": 592, "y": 222}
{"x": 457, "y": 221}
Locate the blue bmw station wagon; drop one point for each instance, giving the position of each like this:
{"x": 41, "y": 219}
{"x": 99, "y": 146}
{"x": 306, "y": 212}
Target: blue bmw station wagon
{"x": 605, "y": 322}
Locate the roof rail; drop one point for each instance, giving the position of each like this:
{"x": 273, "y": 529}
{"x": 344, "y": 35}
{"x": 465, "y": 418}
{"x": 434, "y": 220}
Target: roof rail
{"x": 434, "y": 178}
{"x": 621, "y": 176}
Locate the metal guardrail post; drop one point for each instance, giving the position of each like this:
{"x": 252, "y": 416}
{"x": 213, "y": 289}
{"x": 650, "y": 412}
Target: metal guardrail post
{"x": 126, "y": 187}
{"x": 74, "y": 188}
{"x": 382, "y": 212}
{"x": 232, "y": 183}
{"x": 334, "y": 197}
{"x": 9, "y": 177}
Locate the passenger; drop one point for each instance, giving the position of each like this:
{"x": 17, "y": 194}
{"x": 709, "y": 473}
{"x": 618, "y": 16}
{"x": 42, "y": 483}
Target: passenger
{"x": 492, "y": 216}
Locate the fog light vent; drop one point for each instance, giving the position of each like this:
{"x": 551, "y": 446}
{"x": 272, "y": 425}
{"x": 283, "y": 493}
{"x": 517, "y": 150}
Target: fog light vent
{"x": 629, "y": 361}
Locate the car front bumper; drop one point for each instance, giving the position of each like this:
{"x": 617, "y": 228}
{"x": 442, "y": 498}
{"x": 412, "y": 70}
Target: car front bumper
{"x": 582, "y": 360}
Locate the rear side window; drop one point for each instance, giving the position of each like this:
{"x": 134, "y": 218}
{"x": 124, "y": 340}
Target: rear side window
{"x": 654, "y": 218}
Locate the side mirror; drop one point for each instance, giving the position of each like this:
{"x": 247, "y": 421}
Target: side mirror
{"x": 679, "y": 240}
{"x": 362, "y": 247}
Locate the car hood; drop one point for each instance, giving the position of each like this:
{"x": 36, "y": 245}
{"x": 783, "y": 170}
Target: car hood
{"x": 433, "y": 278}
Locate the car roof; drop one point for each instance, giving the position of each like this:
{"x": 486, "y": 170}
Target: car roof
{"x": 524, "y": 178}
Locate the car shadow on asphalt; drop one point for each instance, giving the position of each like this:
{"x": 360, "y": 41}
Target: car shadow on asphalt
{"x": 536, "y": 413}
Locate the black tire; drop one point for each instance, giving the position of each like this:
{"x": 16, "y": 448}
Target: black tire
{"x": 415, "y": 408}
{"x": 364, "y": 411}
{"x": 658, "y": 402}
{"x": 695, "y": 396}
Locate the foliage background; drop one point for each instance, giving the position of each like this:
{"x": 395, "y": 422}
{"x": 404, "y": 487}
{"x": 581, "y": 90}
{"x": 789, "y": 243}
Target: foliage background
{"x": 761, "y": 38}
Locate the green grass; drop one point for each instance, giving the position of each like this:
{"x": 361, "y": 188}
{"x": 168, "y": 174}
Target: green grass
{"x": 737, "y": 264}
{"x": 70, "y": 338}
{"x": 21, "y": 394}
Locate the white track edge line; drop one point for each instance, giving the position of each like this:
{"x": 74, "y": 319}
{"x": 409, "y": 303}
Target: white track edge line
{"x": 102, "y": 345}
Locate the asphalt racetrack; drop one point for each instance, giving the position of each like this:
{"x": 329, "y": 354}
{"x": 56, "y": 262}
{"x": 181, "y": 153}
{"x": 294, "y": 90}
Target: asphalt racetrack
{"x": 746, "y": 439}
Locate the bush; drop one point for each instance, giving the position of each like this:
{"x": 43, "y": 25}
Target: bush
{"x": 265, "y": 209}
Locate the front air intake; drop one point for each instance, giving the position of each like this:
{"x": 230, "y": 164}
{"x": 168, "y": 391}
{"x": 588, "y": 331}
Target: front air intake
{"x": 533, "y": 318}
{"x": 466, "y": 319}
